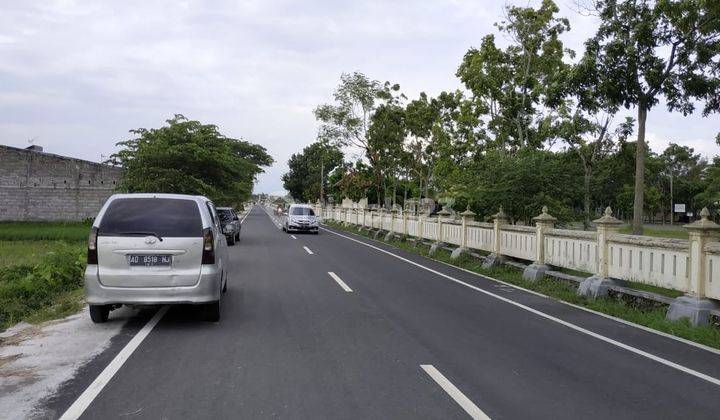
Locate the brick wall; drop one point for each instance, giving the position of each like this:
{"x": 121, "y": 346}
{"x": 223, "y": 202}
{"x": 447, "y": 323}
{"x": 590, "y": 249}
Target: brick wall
{"x": 43, "y": 186}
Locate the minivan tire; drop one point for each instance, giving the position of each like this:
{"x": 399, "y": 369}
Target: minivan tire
{"x": 99, "y": 313}
{"x": 212, "y": 311}
{"x": 231, "y": 240}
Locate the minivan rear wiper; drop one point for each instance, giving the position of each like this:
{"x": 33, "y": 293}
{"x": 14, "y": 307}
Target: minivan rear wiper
{"x": 142, "y": 233}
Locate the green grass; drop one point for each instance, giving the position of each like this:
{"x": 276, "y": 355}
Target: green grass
{"x": 674, "y": 233}
{"x": 64, "y": 304}
{"x": 44, "y": 231}
{"x": 30, "y": 252}
{"x": 654, "y": 289}
{"x": 647, "y": 313}
{"x": 45, "y": 286}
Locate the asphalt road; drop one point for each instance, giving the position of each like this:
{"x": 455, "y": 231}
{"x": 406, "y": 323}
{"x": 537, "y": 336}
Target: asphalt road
{"x": 389, "y": 337}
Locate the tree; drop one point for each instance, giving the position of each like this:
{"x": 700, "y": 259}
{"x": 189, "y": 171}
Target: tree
{"x": 188, "y": 157}
{"x": 303, "y": 180}
{"x": 683, "y": 170}
{"x": 710, "y": 196}
{"x": 347, "y": 121}
{"x": 385, "y": 138}
{"x": 512, "y": 86}
{"x": 645, "y": 50}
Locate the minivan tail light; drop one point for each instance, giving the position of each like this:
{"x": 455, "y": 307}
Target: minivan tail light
{"x": 208, "y": 255}
{"x": 92, "y": 253}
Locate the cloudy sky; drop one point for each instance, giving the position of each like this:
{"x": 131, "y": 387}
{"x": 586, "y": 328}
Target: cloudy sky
{"x": 75, "y": 76}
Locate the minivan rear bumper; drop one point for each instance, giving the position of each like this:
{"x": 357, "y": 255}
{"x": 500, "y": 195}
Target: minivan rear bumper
{"x": 207, "y": 289}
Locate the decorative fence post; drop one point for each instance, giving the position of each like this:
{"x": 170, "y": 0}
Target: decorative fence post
{"x": 382, "y": 221}
{"x": 318, "y": 209}
{"x": 439, "y": 236}
{"x": 538, "y": 268}
{"x": 599, "y": 284}
{"x": 404, "y": 225}
{"x": 391, "y": 233}
{"x": 467, "y": 216}
{"x": 496, "y": 258}
{"x": 420, "y": 229}
{"x": 695, "y": 305}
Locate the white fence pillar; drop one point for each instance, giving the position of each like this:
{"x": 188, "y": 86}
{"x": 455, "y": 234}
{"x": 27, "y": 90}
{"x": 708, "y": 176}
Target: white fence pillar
{"x": 391, "y": 233}
{"x": 404, "y": 225}
{"x": 599, "y": 284}
{"x": 496, "y": 258}
{"x": 694, "y": 305}
{"x": 467, "y": 216}
{"x": 538, "y": 268}
{"x": 439, "y": 239}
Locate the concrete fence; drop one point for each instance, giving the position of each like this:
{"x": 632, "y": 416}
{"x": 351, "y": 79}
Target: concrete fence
{"x": 691, "y": 266}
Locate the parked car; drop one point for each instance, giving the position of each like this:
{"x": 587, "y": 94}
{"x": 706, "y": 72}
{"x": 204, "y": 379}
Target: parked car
{"x": 301, "y": 218}
{"x": 149, "y": 249}
{"x": 230, "y": 224}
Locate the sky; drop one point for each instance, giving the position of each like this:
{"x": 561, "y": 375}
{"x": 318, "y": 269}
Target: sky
{"x": 76, "y": 76}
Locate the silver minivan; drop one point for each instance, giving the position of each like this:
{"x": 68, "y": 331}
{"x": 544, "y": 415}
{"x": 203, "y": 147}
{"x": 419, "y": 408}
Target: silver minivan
{"x": 149, "y": 249}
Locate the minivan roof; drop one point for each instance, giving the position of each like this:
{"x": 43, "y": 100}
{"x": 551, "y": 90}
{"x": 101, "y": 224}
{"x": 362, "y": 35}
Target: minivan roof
{"x": 301, "y": 205}
{"x": 199, "y": 198}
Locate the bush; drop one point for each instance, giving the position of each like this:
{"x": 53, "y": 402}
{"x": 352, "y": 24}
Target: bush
{"x": 26, "y": 289}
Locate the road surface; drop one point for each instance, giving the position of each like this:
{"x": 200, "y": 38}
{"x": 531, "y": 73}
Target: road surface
{"x": 338, "y": 326}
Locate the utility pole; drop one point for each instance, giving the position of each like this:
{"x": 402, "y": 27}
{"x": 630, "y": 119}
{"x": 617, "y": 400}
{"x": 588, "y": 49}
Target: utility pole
{"x": 322, "y": 174}
{"x": 672, "y": 205}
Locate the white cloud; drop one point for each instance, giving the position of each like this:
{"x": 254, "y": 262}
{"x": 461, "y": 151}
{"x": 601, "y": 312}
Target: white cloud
{"x": 80, "y": 73}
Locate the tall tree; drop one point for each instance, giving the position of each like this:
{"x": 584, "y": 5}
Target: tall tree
{"x": 386, "y": 136}
{"x": 514, "y": 85}
{"x": 188, "y": 157}
{"x": 347, "y": 121}
{"x": 303, "y": 180}
{"x": 648, "y": 49}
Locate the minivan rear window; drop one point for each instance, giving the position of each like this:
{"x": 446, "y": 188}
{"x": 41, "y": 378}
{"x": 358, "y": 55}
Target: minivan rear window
{"x": 165, "y": 217}
{"x": 302, "y": 211}
{"x": 225, "y": 215}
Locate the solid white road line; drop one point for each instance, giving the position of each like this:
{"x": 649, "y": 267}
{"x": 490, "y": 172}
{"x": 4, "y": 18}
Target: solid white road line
{"x": 570, "y": 325}
{"x": 293, "y": 236}
{"x": 83, "y": 402}
{"x": 455, "y": 393}
{"x": 339, "y": 281}
{"x": 246, "y": 215}
{"x": 308, "y": 250}
{"x": 582, "y": 308}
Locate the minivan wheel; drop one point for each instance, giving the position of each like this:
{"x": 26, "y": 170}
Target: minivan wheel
{"x": 212, "y": 311}
{"x": 99, "y": 313}
{"x": 231, "y": 240}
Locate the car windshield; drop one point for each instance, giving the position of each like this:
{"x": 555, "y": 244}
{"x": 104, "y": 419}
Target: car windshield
{"x": 225, "y": 215}
{"x": 302, "y": 211}
{"x": 163, "y": 217}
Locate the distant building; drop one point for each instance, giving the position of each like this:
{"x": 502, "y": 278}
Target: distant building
{"x": 41, "y": 186}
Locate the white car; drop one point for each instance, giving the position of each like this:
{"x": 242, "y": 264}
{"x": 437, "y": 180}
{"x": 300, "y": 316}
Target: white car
{"x": 149, "y": 249}
{"x": 300, "y": 218}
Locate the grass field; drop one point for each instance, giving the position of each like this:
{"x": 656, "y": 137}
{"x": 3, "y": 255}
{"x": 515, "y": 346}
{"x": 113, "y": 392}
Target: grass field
{"x": 675, "y": 232}
{"x": 41, "y": 266}
{"x": 44, "y": 231}
{"x": 31, "y": 252}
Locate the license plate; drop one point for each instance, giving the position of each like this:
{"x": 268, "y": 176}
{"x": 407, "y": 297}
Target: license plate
{"x": 149, "y": 260}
